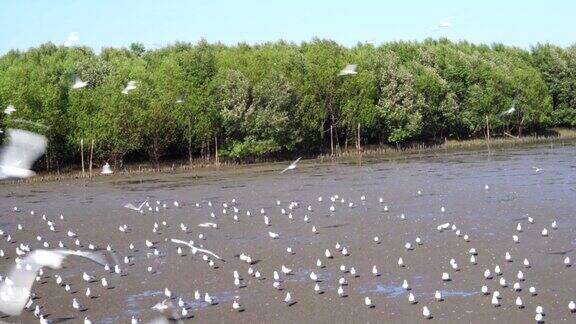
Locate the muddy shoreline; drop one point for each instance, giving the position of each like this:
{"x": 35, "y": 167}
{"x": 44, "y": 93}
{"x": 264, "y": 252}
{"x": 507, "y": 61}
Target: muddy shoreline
{"x": 454, "y": 180}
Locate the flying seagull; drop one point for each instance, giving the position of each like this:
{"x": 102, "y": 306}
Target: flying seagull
{"x": 350, "y": 69}
{"x": 22, "y": 150}
{"x": 194, "y": 248}
{"x": 511, "y": 110}
{"x": 130, "y": 206}
{"x": 15, "y": 292}
{"x": 9, "y": 110}
{"x": 129, "y": 87}
{"x": 78, "y": 83}
{"x": 291, "y": 166}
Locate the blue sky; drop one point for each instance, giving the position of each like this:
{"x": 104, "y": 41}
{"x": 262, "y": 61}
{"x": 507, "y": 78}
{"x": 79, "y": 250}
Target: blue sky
{"x": 99, "y": 23}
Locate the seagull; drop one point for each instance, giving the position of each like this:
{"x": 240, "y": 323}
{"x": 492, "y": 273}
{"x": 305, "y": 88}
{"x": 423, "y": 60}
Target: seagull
{"x": 537, "y": 169}
{"x": 438, "y": 295}
{"x": 23, "y": 148}
{"x": 208, "y": 299}
{"x": 405, "y": 285}
{"x": 106, "y": 169}
{"x": 129, "y": 87}
{"x": 197, "y": 249}
{"x": 78, "y": 83}
{"x": 572, "y": 306}
{"x": 511, "y": 110}
{"x": 76, "y": 304}
{"x": 426, "y": 312}
{"x": 411, "y": 298}
{"x": 9, "y": 110}
{"x": 236, "y": 306}
{"x": 349, "y": 69}
{"x": 288, "y": 299}
{"x": 291, "y": 166}
{"x": 131, "y": 206}
{"x": 519, "y": 302}
{"x": 208, "y": 225}
{"x": 495, "y": 301}
{"x": 286, "y": 270}
{"x": 273, "y": 235}
{"x": 368, "y": 302}
{"x": 18, "y": 291}
{"x": 317, "y": 289}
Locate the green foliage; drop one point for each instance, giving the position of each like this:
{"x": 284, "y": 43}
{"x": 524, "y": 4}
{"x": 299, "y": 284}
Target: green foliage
{"x": 276, "y": 98}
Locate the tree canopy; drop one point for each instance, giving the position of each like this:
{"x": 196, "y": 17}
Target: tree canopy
{"x": 278, "y": 98}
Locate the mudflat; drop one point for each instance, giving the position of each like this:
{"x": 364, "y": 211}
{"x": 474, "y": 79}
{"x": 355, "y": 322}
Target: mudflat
{"x": 536, "y": 181}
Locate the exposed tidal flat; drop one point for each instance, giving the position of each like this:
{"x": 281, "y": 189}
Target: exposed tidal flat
{"x": 484, "y": 194}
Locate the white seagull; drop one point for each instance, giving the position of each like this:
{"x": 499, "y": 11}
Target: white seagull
{"x": 78, "y": 83}
{"x": 21, "y": 151}
{"x": 196, "y": 249}
{"x": 349, "y": 69}
{"x": 131, "y": 206}
{"x": 9, "y": 110}
{"x": 129, "y": 87}
{"x": 291, "y": 166}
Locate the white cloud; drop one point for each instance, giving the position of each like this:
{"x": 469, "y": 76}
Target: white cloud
{"x": 72, "y": 39}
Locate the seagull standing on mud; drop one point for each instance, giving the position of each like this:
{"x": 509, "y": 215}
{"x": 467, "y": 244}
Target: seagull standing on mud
{"x": 291, "y": 166}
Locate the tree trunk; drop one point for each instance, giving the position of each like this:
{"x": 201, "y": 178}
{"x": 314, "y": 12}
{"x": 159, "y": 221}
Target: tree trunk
{"x": 331, "y": 141}
{"x": 190, "y": 150}
{"x": 216, "y": 149}
{"x": 91, "y": 154}
{"x": 358, "y": 142}
{"x": 82, "y": 156}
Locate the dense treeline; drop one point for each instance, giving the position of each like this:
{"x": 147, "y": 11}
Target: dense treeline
{"x": 278, "y": 98}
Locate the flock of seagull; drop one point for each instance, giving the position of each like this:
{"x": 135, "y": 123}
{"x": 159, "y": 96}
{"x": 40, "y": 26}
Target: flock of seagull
{"x": 17, "y": 287}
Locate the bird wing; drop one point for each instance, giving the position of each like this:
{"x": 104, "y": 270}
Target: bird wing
{"x": 207, "y": 225}
{"x": 130, "y": 206}
{"x": 298, "y": 159}
{"x": 22, "y": 150}
{"x": 287, "y": 168}
{"x": 197, "y": 248}
{"x": 99, "y": 258}
{"x": 142, "y": 204}
{"x": 13, "y": 297}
